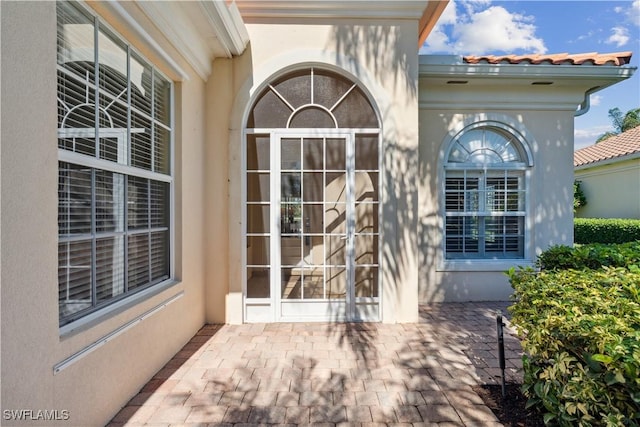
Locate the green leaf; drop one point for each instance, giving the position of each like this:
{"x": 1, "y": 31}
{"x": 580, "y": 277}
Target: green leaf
{"x": 603, "y": 358}
{"x": 548, "y": 417}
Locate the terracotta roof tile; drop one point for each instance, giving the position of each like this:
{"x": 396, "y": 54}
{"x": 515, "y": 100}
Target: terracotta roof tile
{"x": 591, "y": 58}
{"x": 616, "y": 146}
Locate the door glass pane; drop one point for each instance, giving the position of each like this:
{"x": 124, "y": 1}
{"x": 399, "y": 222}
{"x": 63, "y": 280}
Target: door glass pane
{"x": 336, "y": 158}
{"x": 335, "y": 250}
{"x": 335, "y": 187}
{"x": 258, "y": 282}
{"x": 295, "y": 88}
{"x": 313, "y": 221}
{"x": 366, "y": 284}
{"x": 291, "y": 283}
{"x": 366, "y": 186}
{"x": 313, "y": 250}
{"x": 335, "y": 218}
{"x": 312, "y": 117}
{"x": 290, "y": 154}
{"x": 313, "y": 154}
{"x": 258, "y": 187}
{"x": 336, "y": 282}
{"x": 258, "y": 250}
{"x": 257, "y": 218}
{"x": 313, "y": 280}
{"x": 366, "y": 149}
{"x": 313, "y": 187}
{"x": 291, "y": 250}
{"x": 366, "y": 218}
{"x": 355, "y": 111}
{"x": 258, "y": 152}
{"x": 366, "y": 249}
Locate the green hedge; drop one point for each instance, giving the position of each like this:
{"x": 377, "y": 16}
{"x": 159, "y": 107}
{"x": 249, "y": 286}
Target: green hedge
{"x": 606, "y": 230}
{"x": 581, "y": 338}
{"x": 593, "y": 256}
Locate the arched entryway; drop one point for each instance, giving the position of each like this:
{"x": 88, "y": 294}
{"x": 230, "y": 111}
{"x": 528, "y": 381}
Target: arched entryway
{"x": 312, "y": 161}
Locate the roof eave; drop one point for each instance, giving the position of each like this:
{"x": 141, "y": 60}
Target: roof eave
{"x": 611, "y": 160}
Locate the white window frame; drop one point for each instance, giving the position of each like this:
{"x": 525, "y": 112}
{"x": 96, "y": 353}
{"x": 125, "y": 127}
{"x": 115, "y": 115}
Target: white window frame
{"x": 121, "y": 166}
{"x": 524, "y": 167}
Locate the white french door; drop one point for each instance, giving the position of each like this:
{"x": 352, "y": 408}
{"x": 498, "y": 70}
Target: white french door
{"x": 321, "y": 237}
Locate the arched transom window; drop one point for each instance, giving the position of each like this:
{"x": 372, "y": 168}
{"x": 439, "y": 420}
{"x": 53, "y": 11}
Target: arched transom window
{"x": 485, "y": 193}
{"x": 312, "y": 98}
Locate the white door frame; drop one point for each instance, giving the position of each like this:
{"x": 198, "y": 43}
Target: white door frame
{"x": 271, "y": 309}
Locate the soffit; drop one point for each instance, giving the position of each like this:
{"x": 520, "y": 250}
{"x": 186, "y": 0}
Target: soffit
{"x": 622, "y": 145}
{"x": 427, "y": 12}
{"x": 199, "y": 30}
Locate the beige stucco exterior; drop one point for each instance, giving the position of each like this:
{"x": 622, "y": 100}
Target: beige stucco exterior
{"x": 93, "y": 367}
{"x": 97, "y": 385}
{"x": 611, "y": 189}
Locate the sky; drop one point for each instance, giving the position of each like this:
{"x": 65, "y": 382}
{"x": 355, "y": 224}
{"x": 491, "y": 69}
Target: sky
{"x": 482, "y": 27}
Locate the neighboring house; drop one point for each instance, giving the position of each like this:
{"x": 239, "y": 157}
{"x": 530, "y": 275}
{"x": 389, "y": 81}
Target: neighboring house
{"x": 169, "y": 164}
{"x": 609, "y": 175}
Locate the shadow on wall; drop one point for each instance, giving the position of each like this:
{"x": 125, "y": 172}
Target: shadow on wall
{"x": 549, "y": 197}
{"x": 381, "y": 50}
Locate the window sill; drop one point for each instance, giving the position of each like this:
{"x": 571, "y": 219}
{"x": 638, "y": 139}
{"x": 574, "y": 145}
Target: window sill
{"x": 489, "y": 265}
{"x": 114, "y": 309}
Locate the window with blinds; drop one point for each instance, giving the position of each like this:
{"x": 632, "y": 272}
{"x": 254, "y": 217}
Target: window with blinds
{"x": 115, "y": 179}
{"x": 484, "y": 195}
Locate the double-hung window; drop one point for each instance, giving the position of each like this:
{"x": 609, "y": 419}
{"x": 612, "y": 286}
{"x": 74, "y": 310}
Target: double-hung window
{"x": 485, "y": 195}
{"x": 115, "y": 175}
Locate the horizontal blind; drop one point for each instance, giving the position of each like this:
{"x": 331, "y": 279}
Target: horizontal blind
{"x": 114, "y": 191}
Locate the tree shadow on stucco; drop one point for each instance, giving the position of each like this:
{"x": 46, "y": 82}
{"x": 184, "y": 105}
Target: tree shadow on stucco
{"x": 379, "y": 47}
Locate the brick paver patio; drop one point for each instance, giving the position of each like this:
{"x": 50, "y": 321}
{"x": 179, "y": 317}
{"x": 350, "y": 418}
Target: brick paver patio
{"x": 333, "y": 373}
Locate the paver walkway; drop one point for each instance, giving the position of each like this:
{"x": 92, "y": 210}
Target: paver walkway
{"x": 331, "y": 374}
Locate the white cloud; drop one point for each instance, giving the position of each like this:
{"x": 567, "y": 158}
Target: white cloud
{"x": 633, "y": 13}
{"x": 595, "y": 100}
{"x": 620, "y": 36}
{"x": 496, "y": 29}
{"x": 588, "y": 136}
{"x": 478, "y": 27}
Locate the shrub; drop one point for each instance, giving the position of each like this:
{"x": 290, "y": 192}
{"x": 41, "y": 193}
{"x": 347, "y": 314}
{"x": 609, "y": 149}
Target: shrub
{"x": 581, "y": 337}
{"x": 606, "y": 230}
{"x": 592, "y": 256}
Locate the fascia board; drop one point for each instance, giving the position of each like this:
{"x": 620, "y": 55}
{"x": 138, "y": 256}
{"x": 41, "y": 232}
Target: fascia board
{"x": 605, "y": 162}
{"x": 357, "y": 9}
{"x": 227, "y": 23}
{"x": 527, "y": 71}
{"x": 200, "y": 31}
{"x": 123, "y": 17}
{"x": 172, "y": 22}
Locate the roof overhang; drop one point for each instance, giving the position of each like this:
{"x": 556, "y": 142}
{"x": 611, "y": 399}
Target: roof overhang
{"x": 426, "y": 12}
{"x": 559, "y": 86}
{"x": 612, "y": 160}
{"x": 198, "y": 31}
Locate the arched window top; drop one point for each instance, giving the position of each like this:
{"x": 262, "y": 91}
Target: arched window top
{"x": 312, "y": 98}
{"x": 488, "y": 145}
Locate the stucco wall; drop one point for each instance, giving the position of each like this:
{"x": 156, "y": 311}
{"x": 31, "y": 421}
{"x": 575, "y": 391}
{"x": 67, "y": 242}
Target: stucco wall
{"x": 612, "y": 190}
{"x": 550, "y": 138}
{"x": 381, "y": 56}
{"x": 93, "y": 388}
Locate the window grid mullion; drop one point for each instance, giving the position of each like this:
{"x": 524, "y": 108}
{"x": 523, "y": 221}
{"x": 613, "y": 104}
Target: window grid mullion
{"x": 96, "y": 85}
{"x": 153, "y": 119}
{"x": 149, "y": 230}
{"x": 94, "y": 262}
